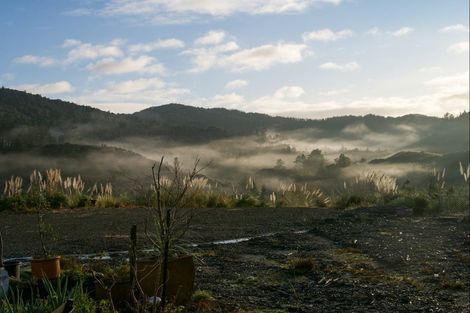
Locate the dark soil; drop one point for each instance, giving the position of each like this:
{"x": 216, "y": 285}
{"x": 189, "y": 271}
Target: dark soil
{"x": 366, "y": 260}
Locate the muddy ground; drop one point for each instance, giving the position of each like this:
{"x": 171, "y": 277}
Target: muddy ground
{"x": 318, "y": 260}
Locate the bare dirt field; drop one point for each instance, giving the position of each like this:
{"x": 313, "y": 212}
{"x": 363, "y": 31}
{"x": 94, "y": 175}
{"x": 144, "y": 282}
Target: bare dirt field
{"x": 301, "y": 260}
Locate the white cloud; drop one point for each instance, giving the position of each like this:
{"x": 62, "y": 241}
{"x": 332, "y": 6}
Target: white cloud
{"x": 231, "y": 100}
{"x": 289, "y": 92}
{"x": 459, "y": 48}
{"x": 402, "y": 31}
{"x": 327, "y": 35}
{"x": 457, "y": 28}
{"x": 430, "y": 69}
{"x": 374, "y": 31}
{"x": 131, "y": 86}
{"x": 236, "y": 84}
{"x": 171, "y": 43}
{"x": 230, "y": 56}
{"x": 265, "y": 56}
{"x": 207, "y": 58}
{"x": 34, "y": 59}
{"x": 78, "y": 12}
{"x": 133, "y": 95}
{"x": 47, "y": 89}
{"x": 7, "y": 76}
{"x": 449, "y": 80}
{"x": 451, "y": 89}
{"x": 432, "y": 104}
{"x": 80, "y": 51}
{"x": 334, "y": 92}
{"x": 71, "y": 43}
{"x": 212, "y": 37}
{"x": 141, "y": 64}
{"x": 346, "y": 67}
{"x": 188, "y": 9}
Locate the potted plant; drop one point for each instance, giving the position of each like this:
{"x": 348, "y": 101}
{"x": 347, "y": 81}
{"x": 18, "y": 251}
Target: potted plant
{"x": 46, "y": 265}
{"x": 180, "y": 279}
{"x": 170, "y": 274}
{"x": 112, "y": 284}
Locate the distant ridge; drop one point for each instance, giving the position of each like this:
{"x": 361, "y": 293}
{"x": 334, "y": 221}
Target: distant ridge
{"x": 33, "y": 119}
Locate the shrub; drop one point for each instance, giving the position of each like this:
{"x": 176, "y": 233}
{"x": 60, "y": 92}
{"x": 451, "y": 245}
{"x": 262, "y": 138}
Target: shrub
{"x": 17, "y": 202}
{"x": 303, "y": 265}
{"x": 201, "y": 295}
{"x": 56, "y": 200}
{"x": 77, "y": 201}
{"x": 220, "y": 200}
{"x": 247, "y": 201}
{"x": 345, "y": 201}
{"x": 420, "y": 204}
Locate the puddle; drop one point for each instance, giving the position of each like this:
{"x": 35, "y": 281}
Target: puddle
{"x": 109, "y": 255}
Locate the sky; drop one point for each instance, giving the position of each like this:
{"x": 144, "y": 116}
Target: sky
{"x": 297, "y": 58}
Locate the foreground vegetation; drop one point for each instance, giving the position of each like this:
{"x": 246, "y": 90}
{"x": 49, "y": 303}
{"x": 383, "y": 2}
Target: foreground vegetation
{"x": 50, "y": 191}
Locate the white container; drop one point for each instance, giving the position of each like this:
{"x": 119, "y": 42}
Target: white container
{"x": 4, "y": 281}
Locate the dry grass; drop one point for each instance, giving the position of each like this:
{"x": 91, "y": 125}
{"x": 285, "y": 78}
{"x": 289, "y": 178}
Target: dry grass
{"x": 303, "y": 265}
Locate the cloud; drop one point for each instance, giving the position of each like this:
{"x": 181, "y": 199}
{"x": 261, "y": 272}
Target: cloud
{"x": 131, "y": 86}
{"x": 289, "y": 92}
{"x": 142, "y": 64}
{"x": 7, "y": 76}
{"x": 451, "y": 88}
{"x": 204, "y": 59}
{"x": 133, "y": 95}
{"x": 171, "y": 43}
{"x": 346, "y": 67}
{"x": 430, "y": 69}
{"x": 402, "y": 31}
{"x": 71, "y": 43}
{"x": 265, "y": 56}
{"x": 229, "y": 55}
{"x": 457, "y": 28}
{"x": 80, "y": 51}
{"x": 327, "y": 35}
{"x": 459, "y": 48}
{"x": 34, "y": 59}
{"x": 236, "y": 84}
{"x": 187, "y": 9}
{"x": 78, "y": 12}
{"x": 449, "y": 80}
{"x": 334, "y": 92}
{"x": 431, "y": 104}
{"x": 374, "y": 31}
{"x": 231, "y": 100}
{"x": 212, "y": 37}
{"x": 47, "y": 89}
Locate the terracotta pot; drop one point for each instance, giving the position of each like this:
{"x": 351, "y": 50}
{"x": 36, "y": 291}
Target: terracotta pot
{"x": 120, "y": 292}
{"x": 181, "y": 272}
{"x": 46, "y": 268}
{"x": 13, "y": 269}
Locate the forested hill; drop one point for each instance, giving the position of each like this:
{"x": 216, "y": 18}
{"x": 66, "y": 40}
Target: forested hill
{"x": 28, "y": 119}
{"x": 231, "y": 121}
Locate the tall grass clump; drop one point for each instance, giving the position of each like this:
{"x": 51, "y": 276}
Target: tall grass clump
{"x": 74, "y": 188}
{"x": 294, "y": 195}
{"x": 104, "y": 196}
{"x": 51, "y": 191}
{"x": 365, "y": 190}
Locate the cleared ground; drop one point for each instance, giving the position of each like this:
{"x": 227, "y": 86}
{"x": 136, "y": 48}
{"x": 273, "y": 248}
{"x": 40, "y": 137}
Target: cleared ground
{"x": 367, "y": 260}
